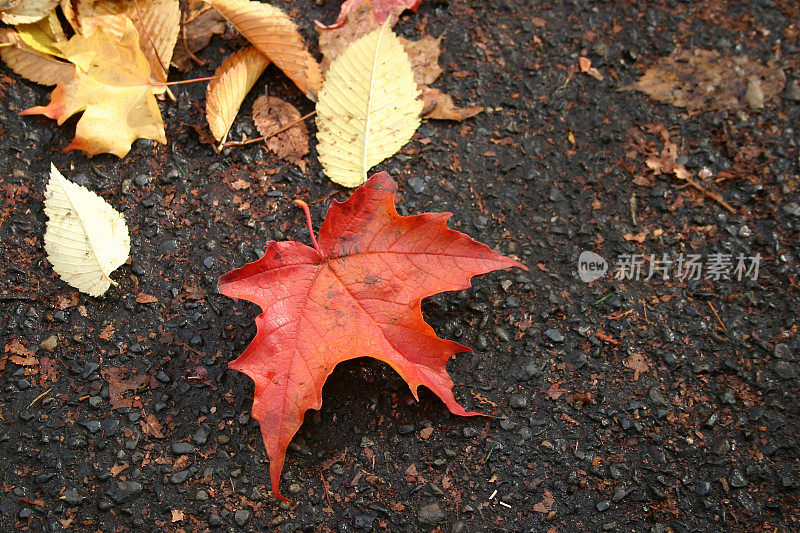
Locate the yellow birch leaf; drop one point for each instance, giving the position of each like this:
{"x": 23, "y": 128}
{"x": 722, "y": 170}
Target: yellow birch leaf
{"x": 368, "y": 107}
{"x": 30, "y": 64}
{"x": 86, "y": 239}
{"x": 27, "y": 11}
{"x": 272, "y": 31}
{"x": 112, "y": 87}
{"x": 225, "y": 94}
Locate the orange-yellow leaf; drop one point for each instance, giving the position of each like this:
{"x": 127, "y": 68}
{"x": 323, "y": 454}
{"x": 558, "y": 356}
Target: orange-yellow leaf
{"x": 157, "y": 21}
{"x": 30, "y": 64}
{"x": 224, "y": 95}
{"x": 271, "y": 31}
{"x": 112, "y": 87}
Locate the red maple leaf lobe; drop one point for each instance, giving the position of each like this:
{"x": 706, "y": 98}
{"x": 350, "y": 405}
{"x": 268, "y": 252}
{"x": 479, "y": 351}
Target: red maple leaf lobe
{"x": 356, "y": 294}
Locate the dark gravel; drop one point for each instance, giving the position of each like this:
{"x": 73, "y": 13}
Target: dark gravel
{"x": 679, "y": 408}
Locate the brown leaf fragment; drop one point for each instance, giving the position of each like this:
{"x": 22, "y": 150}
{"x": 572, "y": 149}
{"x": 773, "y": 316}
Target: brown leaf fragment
{"x": 334, "y": 40}
{"x": 424, "y": 57}
{"x": 638, "y": 363}
{"x": 706, "y": 80}
{"x": 118, "y": 387}
{"x": 546, "y": 504}
{"x": 47, "y": 370}
{"x": 439, "y": 105}
{"x": 107, "y": 332}
{"x": 426, "y": 433}
{"x": 151, "y": 426}
{"x": 20, "y": 355}
{"x": 754, "y": 95}
{"x": 272, "y": 114}
{"x": 638, "y": 237}
{"x": 117, "y": 468}
{"x": 200, "y": 25}
{"x": 143, "y": 298}
{"x": 606, "y": 338}
{"x": 554, "y": 392}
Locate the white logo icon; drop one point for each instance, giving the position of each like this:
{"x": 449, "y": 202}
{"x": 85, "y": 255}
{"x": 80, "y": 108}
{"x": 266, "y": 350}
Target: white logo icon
{"x": 591, "y": 266}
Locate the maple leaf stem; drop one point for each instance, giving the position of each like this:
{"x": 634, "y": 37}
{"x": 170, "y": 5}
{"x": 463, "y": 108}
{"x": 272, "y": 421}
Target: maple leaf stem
{"x": 307, "y": 211}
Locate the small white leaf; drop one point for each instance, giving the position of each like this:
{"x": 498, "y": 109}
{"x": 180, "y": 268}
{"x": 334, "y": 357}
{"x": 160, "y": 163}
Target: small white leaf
{"x": 86, "y": 239}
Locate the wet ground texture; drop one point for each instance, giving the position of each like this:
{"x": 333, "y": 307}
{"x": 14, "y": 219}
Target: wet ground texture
{"x": 671, "y": 405}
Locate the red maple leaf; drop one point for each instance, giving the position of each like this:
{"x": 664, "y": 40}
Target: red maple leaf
{"x": 381, "y": 10}
{"x": 356, "y": 293}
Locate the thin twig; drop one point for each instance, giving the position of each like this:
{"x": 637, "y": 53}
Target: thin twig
{"x": 714, "y": 196}
{"x": 42, "y": 395}
{"x": 186, "y": 44}
{"x": 273, "y": 134}
{"x": 718, "y": 318}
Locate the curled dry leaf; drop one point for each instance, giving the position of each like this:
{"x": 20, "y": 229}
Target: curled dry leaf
{"x": 272, "y": 114}
{"x": 440, "y": 106}
{"x": 272, "y": 31}
{"x": 357, "y": 293}
{"x": 43, "y": 34}
{"x": 201, "y": 22}
{"x": 112, "y": 87}
{"x": 30, "y": 64}
{"x": 368, "y": 108}
{"x": 27, "y": 11}
{"x": 224, "y": 95}
{"x": 706, "y": 80}
{"x": 86, "y": 239}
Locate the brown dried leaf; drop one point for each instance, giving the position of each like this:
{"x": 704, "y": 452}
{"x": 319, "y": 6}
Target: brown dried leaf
{"x": 271, "y": 114}
{"x": 638, "y": 363}
{"x": 439, "y": 105}
{"x": 224, "y": 95}
{"x": 705, "y": 80}
{"x": 117, "y": 386}
{"x": 276, "y": 36}
{"x": 30, "y": 64}
{"x": 424, "y": 57}
{"x": 200, "y": 25}
{"x": 27, "y": 11}
{"x": 546, "y": 504}
{"x": 143, "y": 298}
{"x": 151, "y": 426}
